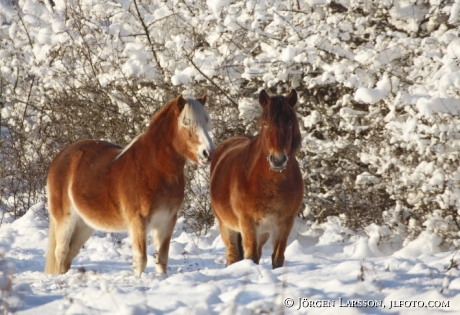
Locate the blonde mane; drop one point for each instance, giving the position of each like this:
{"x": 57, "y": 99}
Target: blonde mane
{"x": 195, "y": 114}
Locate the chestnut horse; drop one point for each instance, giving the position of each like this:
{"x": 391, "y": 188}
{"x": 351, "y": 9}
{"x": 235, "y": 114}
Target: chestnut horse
{"x": 256, "y": 184}
{"x": 98, "y": 185}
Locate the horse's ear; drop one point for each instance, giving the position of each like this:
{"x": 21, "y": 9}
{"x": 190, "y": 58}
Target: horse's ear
{"x": 203, "y": 99}
{"x": 292, "y": 97}
{"x": 180, "y": 102}
{"x": 264, "y": 98}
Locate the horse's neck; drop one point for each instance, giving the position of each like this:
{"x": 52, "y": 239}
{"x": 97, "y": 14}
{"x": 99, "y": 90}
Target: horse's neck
{"x": 156, "y": 149}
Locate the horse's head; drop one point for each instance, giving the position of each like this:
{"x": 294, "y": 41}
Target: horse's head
{"x": 279, "y": 128}
{"x": 194, "y": 123}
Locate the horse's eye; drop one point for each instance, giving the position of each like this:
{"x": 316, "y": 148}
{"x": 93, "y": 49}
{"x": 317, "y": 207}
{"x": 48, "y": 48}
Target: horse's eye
{"x": 290, "y": 124}
{"x": 186, "y": 122}
{"x": 264, "y": 124}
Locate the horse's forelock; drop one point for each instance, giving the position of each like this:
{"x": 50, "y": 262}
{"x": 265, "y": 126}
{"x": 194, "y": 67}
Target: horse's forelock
{"x": 279, "y": 113}
{"x": 195, "y": 113}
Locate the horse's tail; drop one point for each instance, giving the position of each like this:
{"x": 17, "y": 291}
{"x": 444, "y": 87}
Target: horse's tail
{"x": 240, "y": 246}
{"x": 50, "y": 265}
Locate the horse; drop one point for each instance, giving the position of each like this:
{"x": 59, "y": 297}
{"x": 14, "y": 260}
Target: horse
{"x": 140, "y": 188}
{"x": 256, "y": 185}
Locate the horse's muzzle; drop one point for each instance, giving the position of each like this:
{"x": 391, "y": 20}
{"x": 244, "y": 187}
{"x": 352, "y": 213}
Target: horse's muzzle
{"x": 205, "y": 157}
{"x": 278, "y": 162}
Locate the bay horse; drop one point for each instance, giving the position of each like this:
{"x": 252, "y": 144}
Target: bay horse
{"x": 98, "y": 185}
{"x": 256, "y": 185}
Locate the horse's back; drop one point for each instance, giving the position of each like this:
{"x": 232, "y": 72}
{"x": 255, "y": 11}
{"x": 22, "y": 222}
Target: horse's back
{"x": 226, "y": 165}
{"x": 81, "y": 154}
{"x": 233, "y": 145}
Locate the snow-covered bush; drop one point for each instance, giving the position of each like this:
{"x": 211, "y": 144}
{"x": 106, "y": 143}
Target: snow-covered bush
{"x": 378, "y": 82}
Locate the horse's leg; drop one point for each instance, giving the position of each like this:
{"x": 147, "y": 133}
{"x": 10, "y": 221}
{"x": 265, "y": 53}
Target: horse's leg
{"x": 249, "y": 236}
{"x": 280, "y": 241}
{"x": 163, "y": 227}
{"x": 137, "y": 230}
{"x": 59, "y": 223}
{"x": 64, "y": 229}
{"x": 230, "y": 239}
{"x": 50, "y": 265}
{"x": 240, "y": 247}
{"x": 82, "y": 232}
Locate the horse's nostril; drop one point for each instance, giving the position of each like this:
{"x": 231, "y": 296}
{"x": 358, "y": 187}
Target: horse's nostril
{"x": 206, "y": 153}
{"x": 278, "y": 161}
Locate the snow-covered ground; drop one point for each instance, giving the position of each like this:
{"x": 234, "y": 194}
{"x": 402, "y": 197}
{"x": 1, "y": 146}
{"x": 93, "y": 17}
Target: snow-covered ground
{"x": 327, "y": 270}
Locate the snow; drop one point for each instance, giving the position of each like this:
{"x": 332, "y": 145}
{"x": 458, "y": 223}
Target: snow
{"x": 322, "y": 264}
{"x": 216, "y": 6}
{"x": 269, "y": 44}
{"x": 427, "y": 243}
{"x": 249, "y": 108}
{"x": 288, "y": 54}
{"x": 454, "y": 12}
{"x": 183, "y": 77}
{"x": 370, "y": 96}
{"x": 427, "y": 107}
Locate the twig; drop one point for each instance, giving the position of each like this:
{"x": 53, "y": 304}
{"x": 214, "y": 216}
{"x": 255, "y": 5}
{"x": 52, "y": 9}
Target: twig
{"x": 146, "y": 30}
{"x": 207, "y": 78}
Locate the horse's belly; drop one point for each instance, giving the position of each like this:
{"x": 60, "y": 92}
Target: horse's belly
{"x": 267, "y": 223}
{"x": 101, "y": 217}
{"x": 268, "y": 207}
